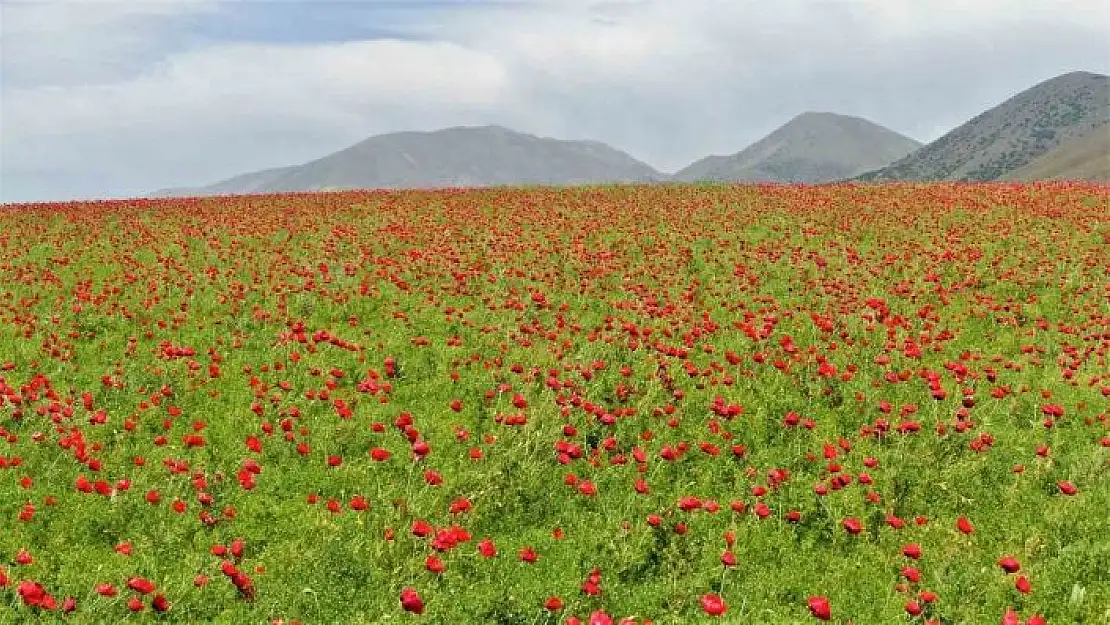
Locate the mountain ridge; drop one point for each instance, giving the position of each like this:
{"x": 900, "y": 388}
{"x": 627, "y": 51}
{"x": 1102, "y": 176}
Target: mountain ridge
{"x": 1011, "y": 134}
{"x": 457, "y": 156}
{"x": 812, "y": 147}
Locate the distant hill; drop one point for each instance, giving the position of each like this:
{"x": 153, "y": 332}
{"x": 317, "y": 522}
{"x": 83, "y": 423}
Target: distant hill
{"x": 1012, "y": 134}
{"x": 452, "y": 157}
{"x": 812, "y": 147}
{"x": 1085, "y": 158}
{"x": 256, "y": 182}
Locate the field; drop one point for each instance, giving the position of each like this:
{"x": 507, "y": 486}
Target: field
{"x": 672, "y": 404}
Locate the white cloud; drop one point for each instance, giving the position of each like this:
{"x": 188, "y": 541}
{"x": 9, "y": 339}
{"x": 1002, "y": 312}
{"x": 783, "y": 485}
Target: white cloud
{"x": 87, "y": 41}
{"x": 305, "y": 84}
{"x": 218, "y": 110}
{"x": 118, "y": 98}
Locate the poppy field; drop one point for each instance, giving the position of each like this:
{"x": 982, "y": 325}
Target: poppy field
{"x": 600, "y": 405}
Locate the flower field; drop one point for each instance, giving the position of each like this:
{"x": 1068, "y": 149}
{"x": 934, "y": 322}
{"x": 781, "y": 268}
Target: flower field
{"x": 672, "y": 404}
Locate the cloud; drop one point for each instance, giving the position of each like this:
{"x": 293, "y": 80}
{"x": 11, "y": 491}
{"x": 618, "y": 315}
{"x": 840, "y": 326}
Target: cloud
{"x": 141, "y": 95}
{"x": 319, "y": 84}
{"x": 89, "y": 41}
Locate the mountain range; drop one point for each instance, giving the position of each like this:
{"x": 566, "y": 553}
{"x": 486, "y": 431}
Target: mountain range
{"x": 1059, "y": 128}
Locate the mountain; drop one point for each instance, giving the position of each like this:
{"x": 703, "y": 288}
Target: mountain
{"x": 452, "y": 157}
{"x": 1012, "y": 134}
{"x": 812, "y": 147}
{"x": 1084, "y": 158}
{"x": 256, "y": 182}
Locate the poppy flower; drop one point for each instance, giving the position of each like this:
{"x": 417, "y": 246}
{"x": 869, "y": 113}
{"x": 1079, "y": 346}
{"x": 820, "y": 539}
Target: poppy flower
{"x": 487, "y": 548}
{"x": 964, "y": 525}
{"x": 713, "y": 604}
{"x": 819, "y": 607}
{"x": 434, "y": 564}
{"x": 33, "y": 594}
{"x": 421, "y": 528}
{"x": 411, "y": 601}
{"x": 141, "y": 585}
{"x": 852, "y": 525}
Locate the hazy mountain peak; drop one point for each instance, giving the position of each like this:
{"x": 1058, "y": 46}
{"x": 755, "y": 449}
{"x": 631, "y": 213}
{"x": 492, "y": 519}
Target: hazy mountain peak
{"x": 457, "y": 156}
{"x": 820, "y": 116}
{"x": 815, "y": 146}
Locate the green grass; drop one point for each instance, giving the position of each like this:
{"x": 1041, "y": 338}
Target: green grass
{"x": 970, "y": 274}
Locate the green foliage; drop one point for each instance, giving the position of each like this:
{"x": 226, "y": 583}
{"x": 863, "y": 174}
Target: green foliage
{"x": 646, "y": 303}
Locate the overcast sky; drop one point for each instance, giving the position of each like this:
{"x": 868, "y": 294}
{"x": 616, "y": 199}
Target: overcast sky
{"x": 106, "y": 99}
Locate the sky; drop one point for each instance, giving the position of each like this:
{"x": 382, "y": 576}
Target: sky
{"x": 114, "y": 99}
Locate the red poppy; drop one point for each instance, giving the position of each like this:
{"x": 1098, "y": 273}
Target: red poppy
{"x": 411, "y": 601}
{"x": 964, "y": 525}
{"x": 819, "y": 607}
{"x": 713, "y": 604}
{"x": 852, "y": 525}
